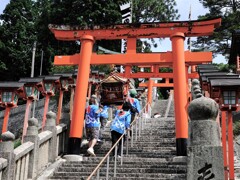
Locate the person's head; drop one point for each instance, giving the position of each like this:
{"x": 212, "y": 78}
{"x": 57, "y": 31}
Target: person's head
{"x": 126, "y": 106}
{"x": 133, "y": 93}
{"x": 93, "y": 99}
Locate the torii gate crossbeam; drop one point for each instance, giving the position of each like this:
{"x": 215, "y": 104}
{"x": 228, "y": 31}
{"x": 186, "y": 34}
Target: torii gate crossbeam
{"x": 176, "y": 31}
{"x": 163, "y": 59}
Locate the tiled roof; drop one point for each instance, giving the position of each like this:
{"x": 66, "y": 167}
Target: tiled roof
{"x": 11, "y": 84}
{"x": 225, "y": 82}
{"x": 31, "y": 80}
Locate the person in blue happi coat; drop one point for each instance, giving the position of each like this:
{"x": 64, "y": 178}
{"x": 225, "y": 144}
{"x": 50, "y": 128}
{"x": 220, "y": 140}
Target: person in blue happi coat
{"x": 92, "y": 124}
{"x": 120, "y": 123}
{"x": 103, "y": 119}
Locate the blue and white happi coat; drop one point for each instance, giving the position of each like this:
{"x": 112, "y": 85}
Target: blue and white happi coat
{"x": 104, "y": 113}
{"x": 121, "y": 121}
{"x": 92, "y": 116}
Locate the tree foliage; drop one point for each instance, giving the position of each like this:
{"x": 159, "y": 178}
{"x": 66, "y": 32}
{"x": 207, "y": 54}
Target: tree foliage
{"x": 17, "y": 37}
{"x": 154, "y": 11}
{"x": 26, "y": 21}
{"x": 220, "y": 41}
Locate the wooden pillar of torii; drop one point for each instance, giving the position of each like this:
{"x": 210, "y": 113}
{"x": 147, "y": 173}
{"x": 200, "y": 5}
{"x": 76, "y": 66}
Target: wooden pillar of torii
{"x": 176, "y": 31}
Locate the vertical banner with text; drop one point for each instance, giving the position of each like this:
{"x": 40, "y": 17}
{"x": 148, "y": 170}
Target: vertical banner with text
{"x": 126, "y": 11}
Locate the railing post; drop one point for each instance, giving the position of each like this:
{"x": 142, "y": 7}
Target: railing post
{"x": 122, "y": 151}
{"x": 32, "y": 136}
{"x": 132, "y": 136}
{"x": 6, "y": 152}
{"x": 127, "y": 144}
{"x": 136, "y": 128}
{"x": 110, "y": 112}
{"x": 51, "y": 126}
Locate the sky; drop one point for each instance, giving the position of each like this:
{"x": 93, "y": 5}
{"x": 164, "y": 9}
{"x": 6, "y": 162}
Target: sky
{"x": 183, "y": 7}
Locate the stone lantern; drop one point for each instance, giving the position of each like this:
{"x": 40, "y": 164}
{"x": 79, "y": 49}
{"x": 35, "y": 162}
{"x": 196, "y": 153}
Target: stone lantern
{"x": 50, "y": 83}
{"x": 227, "y": 93}
{"x": 9, "y": 93}
{"x": 71, "y": 86}
{"x": 31, "y": 88}
{"x": 65, "y": 80}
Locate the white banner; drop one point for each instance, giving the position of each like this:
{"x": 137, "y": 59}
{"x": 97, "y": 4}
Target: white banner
{"x": 126, "y": 11}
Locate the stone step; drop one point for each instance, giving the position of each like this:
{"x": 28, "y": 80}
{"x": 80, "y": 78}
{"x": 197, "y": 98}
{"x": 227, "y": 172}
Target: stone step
{"x": 139, "y": 155}
{"x": 161, "y": 131}
{"x": 137, "y": 151}
{"x": 153, "y": 135}
{"x": 140, "y": 149}
{"x": 127, "y": 161}
{"x": 156, "y": 120}
{"x": 84, "y": 175}
{"x": 131, "y": 150}
{"x": 158, "y": 144}
{"x": 151, "y": 123}
{"x": 156, "y": 128}
{"x": 132, "y": 159}
{"x": 125, "y": 169}
{"x": 77, "y": 167}
{"x": 172, "y": 177}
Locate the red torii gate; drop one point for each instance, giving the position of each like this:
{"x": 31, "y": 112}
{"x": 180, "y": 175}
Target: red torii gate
{"x": 176, "y": 31}
{"x": 154, "y": 74}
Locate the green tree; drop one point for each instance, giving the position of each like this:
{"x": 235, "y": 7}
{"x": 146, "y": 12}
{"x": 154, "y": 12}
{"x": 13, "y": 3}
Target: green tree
{"x": 154, "y": 11}
{"x": 26, "y": 21}
{"x": 220, "y": 41}
{"x": 16, "y": 39}
{"x": 225, "y": 67}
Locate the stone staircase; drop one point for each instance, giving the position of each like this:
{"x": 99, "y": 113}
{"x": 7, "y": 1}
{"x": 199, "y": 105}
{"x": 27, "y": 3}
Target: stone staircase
{"x": 153, "y": 156}
{"x": 160, "y": 106}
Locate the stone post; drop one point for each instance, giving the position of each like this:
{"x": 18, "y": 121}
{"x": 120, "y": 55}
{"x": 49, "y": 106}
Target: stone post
{"x": 195, "y": 85}
{"x": 66, "y": 120}
{"x": 51, "y": 126}
{"x": 205, "y": 156}
{"x": 32, "y": 136}
{"x": 197, "y": 92}
{"x": 6, "y": 152}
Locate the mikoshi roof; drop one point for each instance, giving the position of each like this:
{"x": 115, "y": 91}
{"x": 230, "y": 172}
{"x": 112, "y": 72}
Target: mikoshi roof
{"x": 114, "y": 77}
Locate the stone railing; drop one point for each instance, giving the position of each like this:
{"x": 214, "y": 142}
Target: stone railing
{"x": 36, "y": 153}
